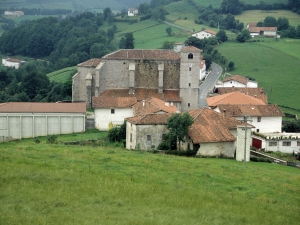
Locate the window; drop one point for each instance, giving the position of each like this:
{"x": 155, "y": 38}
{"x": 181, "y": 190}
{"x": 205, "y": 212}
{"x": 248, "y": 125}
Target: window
{"x": 272, "y": 143}
{"x": 286, "y": 143}
{"x": 257, "y": 130}
{"x": 298, "y": 143}
{"x": 149, "y": 141}
{"x": 189, "y": 104}
{"x": 130, "y": 137}
{"x": 189, "y": 84}
{"x": 258, "y": 119}
{"x": 190, "y": 56}
{"x": 190, "y": 68}
{"x": 112, "y": 111}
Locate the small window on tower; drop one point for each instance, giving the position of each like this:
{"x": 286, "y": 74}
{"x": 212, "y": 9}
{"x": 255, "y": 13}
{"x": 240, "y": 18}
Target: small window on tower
{"x": 189, "y": 84}
{"x": 189, "y": 104}
{"x": 190, "y": 56}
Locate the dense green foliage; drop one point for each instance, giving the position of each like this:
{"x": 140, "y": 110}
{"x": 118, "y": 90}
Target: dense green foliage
{"x": 117, "y": 133}
{"x": 62, "y": 184}
{"x": 178, "y": 126}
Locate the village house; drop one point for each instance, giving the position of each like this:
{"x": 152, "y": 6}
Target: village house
{"x": 204, "y": 34}
{"x": 130, "y": 72}
{"x": 31, "y": 119}
{"x": 237, "y": 81}
{"x": 265, "y": 118}
{"x": 210, "y": 133}
{"x": 11, "y": 62}
{"x": 283, "y": 142}
{"x": 261, "y": 31}
{"x": 14, "y": 13}
{"x": 254, "y": 92}
{"x": 133, "y": 11}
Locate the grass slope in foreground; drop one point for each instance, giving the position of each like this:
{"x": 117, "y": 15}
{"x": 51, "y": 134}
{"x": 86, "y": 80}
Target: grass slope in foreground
{"x": 274, "y": 64}
{"x": 60, "y": 184}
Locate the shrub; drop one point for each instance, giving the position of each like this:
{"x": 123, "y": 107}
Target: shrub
{"x": 163, "y": 146}
{"x": 51, "y": 139}
{"x": 36, "y": 140}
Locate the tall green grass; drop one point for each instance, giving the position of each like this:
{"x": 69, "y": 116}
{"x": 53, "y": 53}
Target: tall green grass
{"x": 59, "y": 184}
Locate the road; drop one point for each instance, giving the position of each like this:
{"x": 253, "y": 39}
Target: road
{"x": 208, "y": 85}
{"x": 174, "y": 25}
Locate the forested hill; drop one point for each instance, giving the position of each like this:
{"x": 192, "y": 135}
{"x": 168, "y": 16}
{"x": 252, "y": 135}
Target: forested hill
{"x": 74, "y": 5}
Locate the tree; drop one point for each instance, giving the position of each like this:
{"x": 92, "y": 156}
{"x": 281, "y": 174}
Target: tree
{"x": 178, "y": 125}
{"x": 169, "y": 31}
{"x": 243, "y": 36}
{"x": 234, "y": 7}
{"x": 168, "y": 45}
{"x": 129, "y": 41}
{"x": 230, "y": 66}
{"x": 282, "y": 23}
{"x": 270, "y": 21}
{"x": 221, "y": 36}
{"x": 106, "y": 13}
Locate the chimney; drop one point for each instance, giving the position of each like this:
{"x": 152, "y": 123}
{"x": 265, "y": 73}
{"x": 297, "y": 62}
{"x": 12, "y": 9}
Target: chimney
{"x": 224, "y": 113}
{"x": 143, "y": 103}
{"x": 255, "y": 96}
{"x": 171, "y": 102}
{"x": 167, "y": 104}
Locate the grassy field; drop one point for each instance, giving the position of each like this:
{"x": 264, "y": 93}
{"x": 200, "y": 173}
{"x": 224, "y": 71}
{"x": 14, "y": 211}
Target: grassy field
{"x": 259, "y": 15}
{"x": 62, "y": 75}
{"x": 62, "y": 184}
{"x": 274, "y": 64}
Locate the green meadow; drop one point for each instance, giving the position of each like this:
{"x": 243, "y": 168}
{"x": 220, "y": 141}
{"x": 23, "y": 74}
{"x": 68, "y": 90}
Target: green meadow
{"x": 274, "y": 64}
{"x": 62, "y": 75}
{"x": 44, "y": 183}
{"x": 259, "y": 15}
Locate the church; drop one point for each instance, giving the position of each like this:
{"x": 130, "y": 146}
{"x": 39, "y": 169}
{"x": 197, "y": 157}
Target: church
{"x": 165, "y": 74}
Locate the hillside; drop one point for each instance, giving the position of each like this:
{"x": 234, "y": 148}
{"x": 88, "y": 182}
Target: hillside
{"x": 92, "y": 184}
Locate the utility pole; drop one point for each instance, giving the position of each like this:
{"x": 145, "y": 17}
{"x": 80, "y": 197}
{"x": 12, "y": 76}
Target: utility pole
{"x": 246, "y": 119}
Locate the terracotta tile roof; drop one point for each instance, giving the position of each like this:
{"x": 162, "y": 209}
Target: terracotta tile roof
{"x": 211, "y": 32}
{"x": 90, "y": 63}
{"x": 252, "y": 24}
{"x": 153, "y": 105}
{"x": 251, "y": 110}
{"x": 210, "y": 126}
{"x": 191, "y": 49}
{"x": 107, "y": 102}
{"x": 254, "y": 92}
{"x": 258, "y": 29}
{"x": 233, "y": 98}
{"x": 38, "y": 107}
{"x": 144, "y": 93}
{"x": 150, "y": 119}
{"x": 161, "y": 54}
{"x": 238, "y": 78}
{"x": 13, "y": 60}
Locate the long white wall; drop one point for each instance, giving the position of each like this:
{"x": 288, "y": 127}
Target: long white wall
{"x": 30, "y": 125}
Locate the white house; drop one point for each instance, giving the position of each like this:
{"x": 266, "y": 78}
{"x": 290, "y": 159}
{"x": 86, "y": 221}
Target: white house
{"x": 277, "y": 142}
{"x": 14, "y": 13}
{"x": 112, "y": 110}
{"x": 261, "y": 31}
{"x": 31, "y": 119}
{"x": 132, "y": 11}
{"x": 202, "y": 70}
{"x": 238, "y": 81}
{"x": 204, "y": 34}
{"x": 265, "y": 118}
{"x": 10, "y": 62}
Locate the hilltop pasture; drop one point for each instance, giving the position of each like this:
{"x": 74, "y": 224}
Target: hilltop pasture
{"x": 274, "y": 64}
{"x": 57, "y": 184}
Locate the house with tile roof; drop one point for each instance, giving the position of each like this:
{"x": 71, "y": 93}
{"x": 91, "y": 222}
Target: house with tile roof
{"x": 233, "y": 98}
{"x": 131, "y": 70}
{"x": 211, "y": 134}
{"x": 133, "y": 11}
{"x": 204, "y": 34}
{"x": 112, "y": 110}
{"x": 254, "y": 92}
{"x": 237, "y": 81}
{"x": 32, "y": 119}
{"x": 265, "y": 118}
{"x": 11, "y": 62}
{"x": 261, "y": 31}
